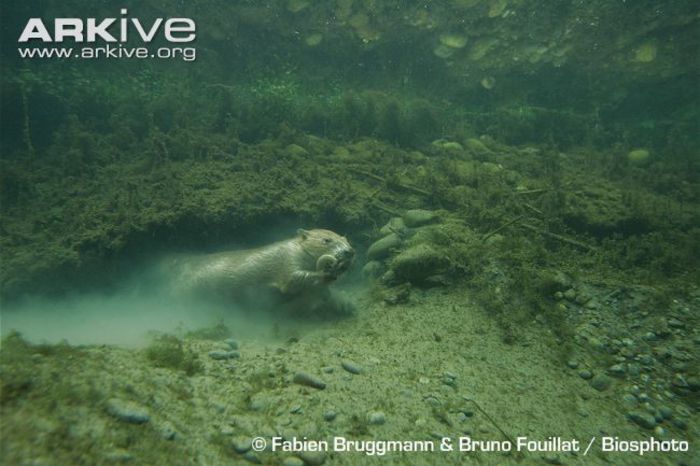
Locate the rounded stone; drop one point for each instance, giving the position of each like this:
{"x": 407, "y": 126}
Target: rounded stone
{"x": 376, "y": 418}
{"x": 601, "y": 382}
{"x": 351, "y": 367}
{"x": 127, "y": 411}
{"x": 292, "y": 461}
{"x": 302, "y": 378}
{"x": 232, "y": 343}
{"x": 642, "y": 419}
{"x": 418, "y": 217}
{"x": 383, "y": 247}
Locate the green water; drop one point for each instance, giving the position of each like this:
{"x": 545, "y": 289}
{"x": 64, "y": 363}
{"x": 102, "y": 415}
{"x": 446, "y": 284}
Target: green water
{"x": 518, "y": 180}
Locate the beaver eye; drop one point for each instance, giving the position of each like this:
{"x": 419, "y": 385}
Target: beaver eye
{"x": 327, "y": 240}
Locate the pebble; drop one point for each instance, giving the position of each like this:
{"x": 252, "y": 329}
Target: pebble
{"x": 617, "y": 370}
{"x": 292, "y": 461}
{"x": 629, "y": 400}
{"x": 302, "y": 378}
{"x": 551, "y": 458}
{"x": 242, "y": 445}
{"x": 224, "y": 355}
{"x": 313, "y": 458}
{"x": 119, "y": 456}
{"x": 645, "y": 420}
{"x": 585, "y": 374}
{"x": 666, "y": 412}
{"x": 351, "y": 367}
{"x": 680, "y": 423}
{"x": 330, "y": 415}
{"x": 232, "y": 343}
{"x": 601, "y": 382}
{"x": 376, "y": 418}
{"x": 251, "y": 458}
{"x": 572, "y": 364}
{"x": 127, "y": 411}
{"x": 167, "y": 431}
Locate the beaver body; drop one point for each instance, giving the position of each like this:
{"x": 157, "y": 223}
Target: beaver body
{"x": 306, "y": 263}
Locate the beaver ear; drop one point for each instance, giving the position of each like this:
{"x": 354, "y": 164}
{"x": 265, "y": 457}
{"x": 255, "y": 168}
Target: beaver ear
{"x": 303, "y": 233}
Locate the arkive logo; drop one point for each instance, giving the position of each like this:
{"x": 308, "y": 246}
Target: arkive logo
{"x": 107, "y": 38}
{"x": 88, "y": 30}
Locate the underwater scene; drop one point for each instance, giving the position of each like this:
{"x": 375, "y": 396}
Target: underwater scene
{"x": 350, "y": 232}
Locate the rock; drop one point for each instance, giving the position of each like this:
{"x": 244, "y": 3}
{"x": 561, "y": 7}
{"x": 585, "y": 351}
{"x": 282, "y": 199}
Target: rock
{"x": 666, "y": 412}
{"x": 477, "y": 147}
{"x": 645, "y": 420}
{"x": 551, "y": 458}
{"x": 242, "y": 445}
{"x": 601, "y": 382}
{"x": 376, "y": 418}
{"x": 417, "y": 217}
{"x": 373, "y": 269}
{"x": 232, "y": 343}
{"x": 351, "y": 367}
{"x": 224, "y": 355}
{"x": 313, "y": 458}
{"x": 680, "y": 382}
{"x": 572, "y": 364}
{"x": 444, "y": 144}
{"x": 127, "y": 411}
{"x": 418, "y": 263}
{"x": 292, "y": 461}
{"x": 119, "y": 455}
{"x": 167, "y": 431}
{"x": 329, "y": 415}
{"x": 384, "y": 247}
{"x": 629, "y": 400}
{"x": 634, "y": 369}
{"x": 251, "y": 458}
{"x": 296, "y": 150}
{"x": 394, "y": 225}
{"x": 675, "y": 323}
{"x": 455, "y": 41}
{"x": 585, "y": 374}
{"x": 617, "y": 370}
{"x": 682, "y": 424}
{"x": 638, "y": 156}
{"x": 302, "y": 378}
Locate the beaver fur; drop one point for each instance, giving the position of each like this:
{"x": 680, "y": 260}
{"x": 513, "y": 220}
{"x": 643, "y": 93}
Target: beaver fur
{"x": 306, "y": 263}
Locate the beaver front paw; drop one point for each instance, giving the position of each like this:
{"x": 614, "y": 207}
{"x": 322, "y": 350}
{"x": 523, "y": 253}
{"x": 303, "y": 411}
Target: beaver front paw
{"x": 326, "y": 264}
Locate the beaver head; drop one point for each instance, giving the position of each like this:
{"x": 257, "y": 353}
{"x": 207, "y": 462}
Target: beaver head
{"x": 319, "y": 243}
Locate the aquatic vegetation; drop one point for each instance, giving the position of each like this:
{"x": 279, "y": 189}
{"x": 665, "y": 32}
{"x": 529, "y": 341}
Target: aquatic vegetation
{"x": 169, "y": 351}
{"x": 519, "y": 178}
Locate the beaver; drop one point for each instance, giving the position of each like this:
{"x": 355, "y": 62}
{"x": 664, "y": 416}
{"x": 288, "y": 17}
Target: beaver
{"x": 303, "y": 264}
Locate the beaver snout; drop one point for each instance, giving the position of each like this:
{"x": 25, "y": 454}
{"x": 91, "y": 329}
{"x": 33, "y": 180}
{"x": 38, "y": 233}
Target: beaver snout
{"x": 345, "y": 258}
{"x": 347, "y": 254}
